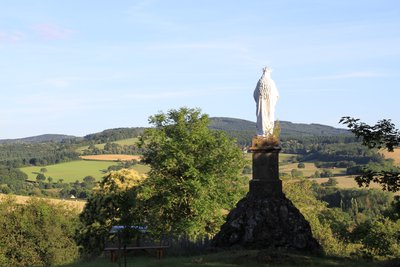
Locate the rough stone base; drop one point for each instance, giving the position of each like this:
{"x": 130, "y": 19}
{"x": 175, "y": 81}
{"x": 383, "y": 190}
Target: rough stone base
{"x": 267, "y": 223}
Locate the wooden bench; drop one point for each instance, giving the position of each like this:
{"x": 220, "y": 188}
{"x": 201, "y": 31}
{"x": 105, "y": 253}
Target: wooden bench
{"x": 160, "y": 251}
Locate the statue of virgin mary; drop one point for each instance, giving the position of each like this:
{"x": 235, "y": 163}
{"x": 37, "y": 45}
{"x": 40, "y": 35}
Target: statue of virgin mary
{"x": 266, "y": 95}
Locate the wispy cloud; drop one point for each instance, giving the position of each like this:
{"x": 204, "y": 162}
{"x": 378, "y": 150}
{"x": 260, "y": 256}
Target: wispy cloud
{"x": 11, "y": 37}
{"x": 52, "y": 32}
{"x": 350, "y": 75}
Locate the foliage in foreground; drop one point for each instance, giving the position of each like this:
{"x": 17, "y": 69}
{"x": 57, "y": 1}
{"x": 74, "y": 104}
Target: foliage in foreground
{"x": 195, "y": 179}
{"x": 358, "y": 230}
{"x": 381, "y": 135}
{"x": 37, "y": 233}
{"x": 113, "y": 202}
{"x": 195, "y": 174}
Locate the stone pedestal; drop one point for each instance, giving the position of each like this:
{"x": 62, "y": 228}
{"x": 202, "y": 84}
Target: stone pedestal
{"x": 265, "y": 218}
{"x": 265, "y": 180}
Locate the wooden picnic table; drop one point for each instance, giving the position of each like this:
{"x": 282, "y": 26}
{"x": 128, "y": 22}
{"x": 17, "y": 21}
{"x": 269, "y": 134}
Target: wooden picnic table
{"x": 160, "y": 250}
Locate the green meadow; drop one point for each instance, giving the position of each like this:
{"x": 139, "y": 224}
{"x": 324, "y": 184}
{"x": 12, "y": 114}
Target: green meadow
{"x": 71, "y": 171}
{"x": 123, "y": 142}
{"x": 76, "y": 170}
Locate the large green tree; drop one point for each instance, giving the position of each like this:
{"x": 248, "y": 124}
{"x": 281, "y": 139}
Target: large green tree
{"x": 381, "y": 135}
{"x": 196, "y": 173}
{"x": 114, "y": 201}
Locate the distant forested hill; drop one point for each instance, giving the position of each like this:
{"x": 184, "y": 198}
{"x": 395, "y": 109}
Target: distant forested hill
{"x": 40, "y": 139}
{"x": 116, "y": 134}
{"x": 244, "y": 130}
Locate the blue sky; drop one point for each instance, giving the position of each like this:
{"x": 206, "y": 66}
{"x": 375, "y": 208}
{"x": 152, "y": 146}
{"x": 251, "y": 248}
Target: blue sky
{"x": 79, "y": 67}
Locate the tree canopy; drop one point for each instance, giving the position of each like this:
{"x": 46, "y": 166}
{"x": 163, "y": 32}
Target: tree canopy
{"x": 113, "y": 202}
{"x": 196, "y": 173}
{"x": 381, "y": 135}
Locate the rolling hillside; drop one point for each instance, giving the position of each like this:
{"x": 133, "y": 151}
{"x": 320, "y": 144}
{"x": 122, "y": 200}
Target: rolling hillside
{"x": 287, "y": 128}
{"x": 40, "y": 139}
{"x": 244, "y": 130}
{"x": 231, "y": 125}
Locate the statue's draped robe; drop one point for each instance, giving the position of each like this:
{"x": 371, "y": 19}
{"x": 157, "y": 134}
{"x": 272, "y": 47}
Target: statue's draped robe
{"x": 266, "y": 95}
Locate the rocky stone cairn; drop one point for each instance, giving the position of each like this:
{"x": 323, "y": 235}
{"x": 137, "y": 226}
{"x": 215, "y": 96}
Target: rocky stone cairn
{"x": 265, "y": 218}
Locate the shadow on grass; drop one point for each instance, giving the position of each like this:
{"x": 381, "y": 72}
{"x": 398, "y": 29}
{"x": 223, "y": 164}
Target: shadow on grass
{"x": 244, "y": 258}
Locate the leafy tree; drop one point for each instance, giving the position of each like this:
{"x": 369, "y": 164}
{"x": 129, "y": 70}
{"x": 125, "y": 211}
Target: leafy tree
{"x": 393, "y": 212}
{"x": 301, "y": 165}
{"x": 195, "y": 175}
{"x": 113, "y": 202}
{"x": 324, "y": 223}
{"x": 89, "y": 181}
{"x": 330, "y": 182}
{"x": 40, "y": 177}
{"x": 381, "y": 135}
{"x": 326, "y": 173}
{"x": 379, "y": 237}
{"x": 296, "y": 173}
{"x": 247, "y": 169}
{"x": 37, "y": 233}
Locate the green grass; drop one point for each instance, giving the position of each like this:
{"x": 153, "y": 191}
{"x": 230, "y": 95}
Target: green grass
{"x": 309, "y": 169}
{"x": 81, "y": 148}
{"x": 71, "y": 171}
{"x": 236, "y": 258}
{"x": 283, "y": 158}
{"x": 129, "y": 141}
{"x": 76, "y": 170}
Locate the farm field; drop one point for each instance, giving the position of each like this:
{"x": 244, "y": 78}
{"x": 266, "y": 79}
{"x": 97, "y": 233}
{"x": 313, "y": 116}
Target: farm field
{"x": 309, "y": 169}
{"x": 74, "y": 204}
{"x": 70, "y": 171}
{"x": 127, "y": 142}
{"x": 76, "y": 170}
{"x": 111, "y": 157}
{"x": 123, "y": 142}
{"x": 395, "y": 155}
{"x": 287, "y": 157}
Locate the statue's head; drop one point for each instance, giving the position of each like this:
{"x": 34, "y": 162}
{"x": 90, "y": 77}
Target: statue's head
{"x": 267, "y": 70}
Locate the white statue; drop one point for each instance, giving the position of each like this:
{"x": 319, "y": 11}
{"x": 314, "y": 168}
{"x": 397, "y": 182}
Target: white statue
{"x": 266, "y": 95}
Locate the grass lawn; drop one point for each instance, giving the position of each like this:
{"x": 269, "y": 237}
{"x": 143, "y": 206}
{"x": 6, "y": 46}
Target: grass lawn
{"x": 243, "y": 258}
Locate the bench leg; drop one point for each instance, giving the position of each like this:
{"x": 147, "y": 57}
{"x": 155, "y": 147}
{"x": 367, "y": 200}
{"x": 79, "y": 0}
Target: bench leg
{"x": 114, "y": 256}
{"x": 160, "y": 253}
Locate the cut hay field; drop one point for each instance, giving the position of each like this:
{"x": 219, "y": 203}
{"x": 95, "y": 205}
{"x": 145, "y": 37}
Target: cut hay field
{"x": 112, "y": 157}
{"x": 395, "y": 155}
{"x": 75, "y": 204}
